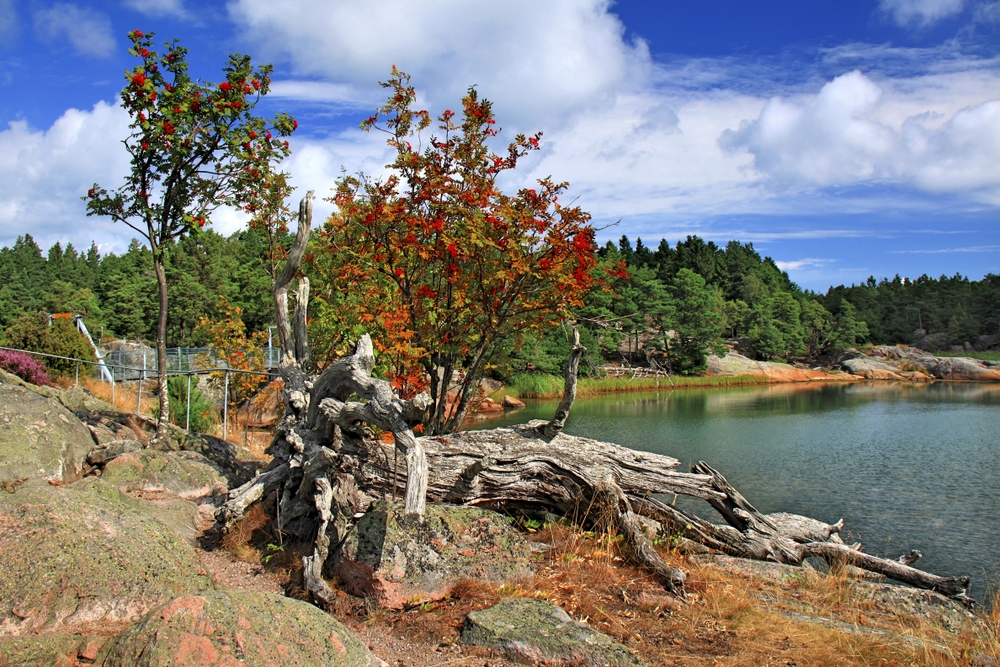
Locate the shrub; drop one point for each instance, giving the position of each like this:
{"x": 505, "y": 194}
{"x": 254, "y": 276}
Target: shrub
{"x": 24, "y": 366}
{"x": 203, "y": 413}
{"x": 33, "y": 331}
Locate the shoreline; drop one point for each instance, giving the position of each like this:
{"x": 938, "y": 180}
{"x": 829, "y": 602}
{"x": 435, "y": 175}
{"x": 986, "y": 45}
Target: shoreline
{"x": 884, "y": 364}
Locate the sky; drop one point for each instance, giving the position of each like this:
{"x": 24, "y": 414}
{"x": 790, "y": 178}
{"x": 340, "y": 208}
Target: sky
{"x": 843, "y": 139}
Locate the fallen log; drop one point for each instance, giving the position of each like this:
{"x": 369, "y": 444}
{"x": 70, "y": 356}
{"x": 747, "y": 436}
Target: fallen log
{"x": 329, "y": 465}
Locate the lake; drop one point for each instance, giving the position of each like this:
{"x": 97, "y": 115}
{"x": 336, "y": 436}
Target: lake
{"x": 908, "y": 466}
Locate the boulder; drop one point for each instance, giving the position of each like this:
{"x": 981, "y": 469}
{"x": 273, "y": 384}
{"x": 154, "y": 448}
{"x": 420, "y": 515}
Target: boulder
{"x": 398, "y": 561}
{"x": 79, "y": 399}
{"x": 39, "y": 437}
{"x": 86, "y": 556}
{"x": 184, "y": 474}
{"x": 236, "y": 628}
{"x": 537, "y": 631}
{"x": 872, "y": 369}
{"x": 512, "y": 403}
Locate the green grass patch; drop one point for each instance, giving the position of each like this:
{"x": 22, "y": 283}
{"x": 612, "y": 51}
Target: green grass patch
{"x": 541, "y": 385}
{"x": 988, "y": 355}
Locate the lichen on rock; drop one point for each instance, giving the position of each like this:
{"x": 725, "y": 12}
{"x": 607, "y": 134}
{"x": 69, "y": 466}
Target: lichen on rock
{"x": 399, "y": 561}
{"x": 86, "y": 555}
{"x": 39, "y": 437}
{"x": 236, "y": 628}
{"x": 537, "y": 631}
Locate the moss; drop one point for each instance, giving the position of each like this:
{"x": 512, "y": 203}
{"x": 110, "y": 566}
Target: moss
{"x": 452, "y": 542}
{"x": 185, "y": 474}
{"x": 39, "y": 437}
{"x": 85, "y": 554}
{"x": 254, "y": 628}
{"x": 48, "y": 650}
{"x": 539, "y": 630}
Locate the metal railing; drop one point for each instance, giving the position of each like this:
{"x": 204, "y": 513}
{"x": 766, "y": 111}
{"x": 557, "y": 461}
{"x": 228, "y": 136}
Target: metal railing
{"x": 143, "y": 372}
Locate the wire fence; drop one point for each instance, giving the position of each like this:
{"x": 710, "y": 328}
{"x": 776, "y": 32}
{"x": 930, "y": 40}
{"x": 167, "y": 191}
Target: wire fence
{"x": 185, "y": 364}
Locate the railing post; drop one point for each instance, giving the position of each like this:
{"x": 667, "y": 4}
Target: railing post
{"x": 78, "y": 374}
{"x": 187, "y": 420}
{"x": 138, "y": 397}
{"x": 225, "y": 407}
{"x": 113, "y": 388}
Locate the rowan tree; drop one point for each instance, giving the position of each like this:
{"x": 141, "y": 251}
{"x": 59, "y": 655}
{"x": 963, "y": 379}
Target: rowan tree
{"x": 442, "y": 264}
{"x": 194, "y": 146}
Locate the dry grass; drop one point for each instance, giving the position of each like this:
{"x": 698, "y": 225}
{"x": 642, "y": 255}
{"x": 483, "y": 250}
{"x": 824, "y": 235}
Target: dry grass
{"x": 730, "y": 618}
{"x": 125, "y": 394}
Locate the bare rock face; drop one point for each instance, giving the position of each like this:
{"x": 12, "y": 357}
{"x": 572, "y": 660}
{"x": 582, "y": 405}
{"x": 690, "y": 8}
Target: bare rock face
{"x": 399, "y": 561}
{"x": 186, "y": 475}
{"x": 236, "y": 628}
{"x": 39, "y": 437}
{"x": 872, "y": 369}
{"x": 539, "y": 631}
{"x": 86, "y": 556}
{"x": 943, "y": 368}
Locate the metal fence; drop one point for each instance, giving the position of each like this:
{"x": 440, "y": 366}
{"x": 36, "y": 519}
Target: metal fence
{"x": 183, "y": 365}
{"x": 135, "y": 360}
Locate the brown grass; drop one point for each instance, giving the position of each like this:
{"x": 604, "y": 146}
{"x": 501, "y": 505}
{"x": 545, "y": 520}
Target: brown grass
{"x": 125, "y": 394}
{"x": 730, "y": 618}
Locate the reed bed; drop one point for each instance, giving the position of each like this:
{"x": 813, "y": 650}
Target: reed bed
{"x": 543, "y": 386}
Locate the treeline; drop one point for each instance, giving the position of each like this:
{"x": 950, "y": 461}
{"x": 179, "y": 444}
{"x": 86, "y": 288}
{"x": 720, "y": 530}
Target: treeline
{"x": 116, "y": 294}
{"x": 664, "y": 306}
{"x": 667, "y": 306}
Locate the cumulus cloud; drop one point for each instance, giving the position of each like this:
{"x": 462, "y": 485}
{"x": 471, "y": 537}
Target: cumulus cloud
{"x": 920, "y": 13}
{"x": 157, "y": 8}
{"x": 531, "y": 58}
{"x": 850, "y": 133}
{"x": 87, "y": 30}
{"x": 43, "y": 174}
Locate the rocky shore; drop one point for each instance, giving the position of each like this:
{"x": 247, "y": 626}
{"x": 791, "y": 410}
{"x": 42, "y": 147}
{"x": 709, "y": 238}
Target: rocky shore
{"x": 881, "y": 362}
{"x": 110, "y": 559}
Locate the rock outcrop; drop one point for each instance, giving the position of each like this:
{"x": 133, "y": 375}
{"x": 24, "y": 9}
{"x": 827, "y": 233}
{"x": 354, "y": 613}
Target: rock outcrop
{"x": 186, "y": 475}
{"x": 736, "y": 364}
{"x": 85, "y": 556}
{"x": 236, "y": 628}
{"x": 39, "y": 437}
{"x": 538, "y": 631}
{"x": 906, "y": 360}
{"x": 398, "y": 561}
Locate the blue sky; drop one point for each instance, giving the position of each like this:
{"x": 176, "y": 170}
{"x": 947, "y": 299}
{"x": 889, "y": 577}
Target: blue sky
{"x": 843, "y": 139}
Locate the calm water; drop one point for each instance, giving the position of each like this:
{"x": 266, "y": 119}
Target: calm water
{"x": 906, "y": 466}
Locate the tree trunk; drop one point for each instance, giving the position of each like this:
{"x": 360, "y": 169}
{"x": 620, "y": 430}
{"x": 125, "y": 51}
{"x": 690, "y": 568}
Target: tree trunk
{"x": 328, "y": 465}
{"x": 161, "y": 342}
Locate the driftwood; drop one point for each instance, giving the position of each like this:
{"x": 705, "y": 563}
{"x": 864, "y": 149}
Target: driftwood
{"x": 329, "y": 467}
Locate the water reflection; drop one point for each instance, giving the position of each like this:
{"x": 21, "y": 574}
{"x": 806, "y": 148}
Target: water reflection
{"x": 907, "y": 465}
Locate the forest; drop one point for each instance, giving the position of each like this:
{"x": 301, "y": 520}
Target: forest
{"x": 695, "y": 291}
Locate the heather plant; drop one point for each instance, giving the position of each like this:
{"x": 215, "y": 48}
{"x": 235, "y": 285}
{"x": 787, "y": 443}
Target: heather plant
{"x": 24, "y": 366}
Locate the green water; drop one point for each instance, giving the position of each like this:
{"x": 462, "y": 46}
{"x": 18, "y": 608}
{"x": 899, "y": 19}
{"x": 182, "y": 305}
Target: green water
{"x": 906, "y": 466}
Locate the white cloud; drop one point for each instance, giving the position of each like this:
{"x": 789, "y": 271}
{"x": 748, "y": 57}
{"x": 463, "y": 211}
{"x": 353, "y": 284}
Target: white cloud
{"x": 43, "y": 174}
{"x": 920, "y": 13}
{"x": 8, "y": 23}
{"x": 531, "y": 58}
{"x": 938, "y": 251}
{"x": 988, "y": 13}
{"x": 339, "y": 95}
{"x": 158, "y": 7}
{"x": 87, "y": 30}
{"x": 798, "y": 264}
{"x": 909, "y": 132}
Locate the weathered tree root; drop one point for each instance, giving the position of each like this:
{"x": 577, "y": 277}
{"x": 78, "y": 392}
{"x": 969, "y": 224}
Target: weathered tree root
{"x": 328, "y": 467}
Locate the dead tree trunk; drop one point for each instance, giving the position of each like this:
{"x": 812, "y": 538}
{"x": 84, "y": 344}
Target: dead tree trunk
{"x": 328, "y": 466}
